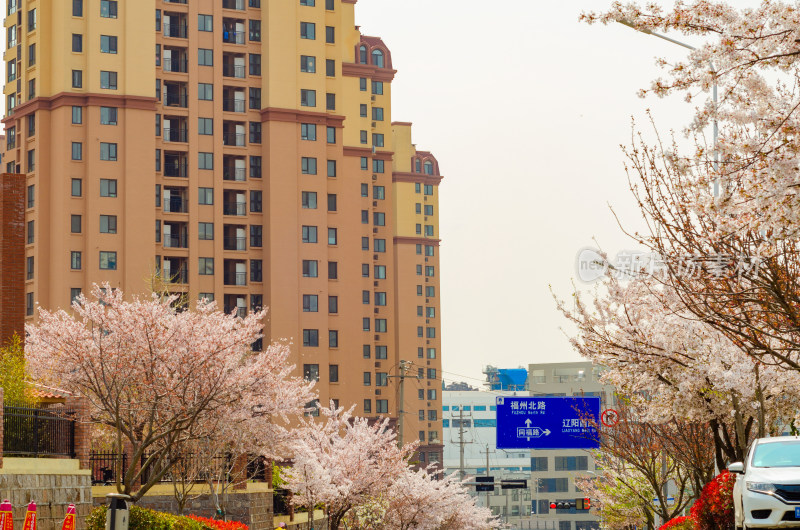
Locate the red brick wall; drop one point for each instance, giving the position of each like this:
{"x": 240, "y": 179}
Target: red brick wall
{"x": 82, "y": 429}
{"x": 12, "y": 255}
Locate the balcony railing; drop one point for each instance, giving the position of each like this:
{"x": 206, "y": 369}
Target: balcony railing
{"x": 234, "y": 243}
{"x": 233, "y": 105}
{"x": 175, "y": 65}
{"x": 175, "y": 30}
{"x": 241, "y": 312}
{"x": 176, "y": 205}
{"x": 174, "y": 135}
{"x": 178, "y": 276}
{"x": 234, "y": 173}
{"x": 233, "y": 4}
{"x": 233, "y": 70}
{"x": 175, "y": 100}
{"x": 233, "y": 37}
{"x": 172, "y": 169}
{"x": 234, "y": 208}
{"x": 38, "y": 432}
{"x": 175, "y": 1}
{"x": 175, "y": 241}
{"x": 233, "y": 139}
{"x": 235, "y": 278}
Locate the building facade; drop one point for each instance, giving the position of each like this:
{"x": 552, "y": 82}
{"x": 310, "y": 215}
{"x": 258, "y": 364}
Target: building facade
{"x": 553, "y": 472}
{"x": 241, "y": 151}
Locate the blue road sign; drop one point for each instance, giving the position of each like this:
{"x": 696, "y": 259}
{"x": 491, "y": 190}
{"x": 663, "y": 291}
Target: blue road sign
{"x": 547, "y": 422}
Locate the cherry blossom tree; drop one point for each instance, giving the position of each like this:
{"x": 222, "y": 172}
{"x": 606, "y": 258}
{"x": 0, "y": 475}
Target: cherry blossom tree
{"x": 343, "y": 461}
{"x": 163, "y": 378}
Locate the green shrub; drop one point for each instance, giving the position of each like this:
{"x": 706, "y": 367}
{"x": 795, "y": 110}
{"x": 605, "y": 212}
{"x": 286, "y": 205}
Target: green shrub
{"x": 144, "y": 519}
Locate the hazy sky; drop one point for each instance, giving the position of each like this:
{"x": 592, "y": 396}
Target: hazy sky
{"x": 525, "y": 109}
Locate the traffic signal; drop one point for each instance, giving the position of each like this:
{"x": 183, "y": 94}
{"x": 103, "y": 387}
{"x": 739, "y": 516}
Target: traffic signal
{"x": 484, "y": 487}
{"x": 513, "y": 484}
{"x": 562, "y": 505}
{"x": 583, "y": 504}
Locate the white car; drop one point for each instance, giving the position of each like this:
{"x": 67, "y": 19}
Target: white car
{"x": 767, "y": 489}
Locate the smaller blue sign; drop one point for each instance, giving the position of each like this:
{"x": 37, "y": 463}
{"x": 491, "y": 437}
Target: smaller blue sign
{"x": 548, "y": 422}
{"x": 797, "y": 513}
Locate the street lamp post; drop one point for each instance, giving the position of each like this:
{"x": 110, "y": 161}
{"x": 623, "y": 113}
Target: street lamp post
{"x": 713, "y": 92}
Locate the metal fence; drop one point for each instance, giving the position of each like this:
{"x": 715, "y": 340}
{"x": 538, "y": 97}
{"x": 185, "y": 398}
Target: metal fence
{"x": 38, "y": 432}
{"x": 105, "y": 466}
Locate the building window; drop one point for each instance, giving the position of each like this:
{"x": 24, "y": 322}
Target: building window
{"x": 255, "y": 167}
{"x": 308, "y": 165}
{"x": 205, "y": 126}
{"x": 367, "y": 406}
{"x": 308, "y": 199}
{"x": 108, "y": 80}
{"x": 331, "y": 131}
{"x": 75, "y": 224}
{"x": 308, "y": 131}
{"x": 381, "y": 379}
{"x": 205, "y": 23}
{"x": 309, "y": 234}
{"x": 256, "y": 271}
{"x": 77, "y": 8}
{"x": 380, "y": 325}
{"x": 330, "y": 35}
{"x": 377, "y": 87}
{"x": 382, "y": 406}
{"x": 108, "y": 224}
{"x": 206, "y": 196}
{"x": 74, "y": 294}
{"x": 205, "y": 91}
{"x": 377, "y": 58}
{"x": 77, "y": 43}
{"x": 377, "y": 140}
{"x": 255, "y": 30}
{"x": 539, "y": 463}
{"x": 377, "y": 113}
{"x": 255, "y": 132}
{"x": 77, "y": 187}
{"x": 365, "y": 351}
{"x": 77, "y": 115}
{"x": 365, "y": 324}
{"x": 333, "y": 374}
{"x": 205, "y": 161}
{"x": 108, "y": 260}
{"x": 379, "y": 219}
{"x": 108, "y": 115}
{"x": 331, "y": 202}
{"x": 205, "y": 231}
{"x": 75, "y": 260}
{"x": 255, "y": 201}
{"x": 431, "y": 394}
{"x": 377, "y": 166}
{"x": 77, "y": 79}
{"x": 205, "y": 57}
{"x": 362, "y": 83}
{"x": 362, "y": 55}
{"x": 332, "y": 236}
{"x": 367, "y": 378}
{"x": 108, "y": 44}
{"x": 308, "y": 98}
{"x": 311, "y": 340}
{"x": 308, "y": 30}
{"x": 333, "y": 338}
{"x": 30, "y": 232}
{"x": 77, "y": 151}
{"x": 380, "y": 298}
{"x": 380, "y": 272}
{"x": 31, "y": 195}
{"x": 330, "y": 101}
{"x": 108, "y": 151}
{"x": 29, "y": 304}
{"x": 310, "y": 371}
{"x": 308, "y": 64}
{"x": 255, "y": 64}
{"x": 310, "y": 268}
{"x": 29, "y": 268}
{"x": 333, "y": 304}
{"x": 330, "y": 68}
{"x": 333, "y": 270}
{"x": 206, "y": 266}
{"x": 310, "y": 303}
{"x": 332, "y": 168}
{"x": 329, "y": 5}
{"x": 571, "y": 463}
{"x": 108, "y": 8}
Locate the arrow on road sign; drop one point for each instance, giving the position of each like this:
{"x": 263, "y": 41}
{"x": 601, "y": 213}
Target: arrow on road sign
{"x": 528, "y": 422}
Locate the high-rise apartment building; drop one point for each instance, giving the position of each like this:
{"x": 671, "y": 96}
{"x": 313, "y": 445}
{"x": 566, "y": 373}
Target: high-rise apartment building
{"x": 243, "y": 150}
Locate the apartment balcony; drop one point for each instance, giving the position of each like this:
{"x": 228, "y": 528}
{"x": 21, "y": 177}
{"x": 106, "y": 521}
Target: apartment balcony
{"x": 175, "y": 135}
{"x": 175, "y": 94}
{"x": 234, "y": 243}
{"x": 175, "y": 25}
{"x": 174, "y": 270}
{"x": 234, "y": 65}
{"x": 241, "y": 311}
{"x": 175, "y": 1}
{"x": 233, "y": 168}
{"x": 233, "y": 139}
{"x": 175, "y": 60}
{"x": 238, "y": 5}
{"x": 234, "y": 208}
{"x": 235, "y": 272}
{"x": 234, "y": 105}
{"x": 233, "y": 32}
{"x": 175, "y": 164}
{"x": 175, "y": 200}
{"x": 175, "y": 235}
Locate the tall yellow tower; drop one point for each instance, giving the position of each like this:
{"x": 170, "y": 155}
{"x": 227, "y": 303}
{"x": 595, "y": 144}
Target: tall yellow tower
{"x": 245, "y": 151}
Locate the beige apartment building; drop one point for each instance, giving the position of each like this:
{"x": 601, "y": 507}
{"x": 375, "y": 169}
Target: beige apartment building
{"x": 243, "y": 151}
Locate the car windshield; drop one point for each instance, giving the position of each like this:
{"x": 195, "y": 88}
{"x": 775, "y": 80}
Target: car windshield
{"x": 777, "y": 454}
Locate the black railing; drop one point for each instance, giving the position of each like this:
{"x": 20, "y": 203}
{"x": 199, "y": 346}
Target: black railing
{"x": 241, "y": 312}
{"x": 178, "y": 276}
{"x": 234, "y": 243}
{"x": 233, "y": 70}
{"x": 233, "y": 139}
{"x": 234, "y": 173}
{"x": 235, "y": 278}
{"x": 38, "y": 432}
{"x": 233, "y": 37}
{"x": 233, "y": 4}
{"x": 257, "y": 469}
{"x": 176, "y": 205}
{"x": 175, "y": 1}
{"x": 175, "y": 241}
{"x": 234, "y": 208}
{"x": 174, "y": 135}
{"x": 175, "y": 65}
{"x": 175, "y": 100}
{"x": 174, "y": 169}
{"x": 104, "y": 467}
{"x": 233, "y": 105}
{"x": 175, "y": 30}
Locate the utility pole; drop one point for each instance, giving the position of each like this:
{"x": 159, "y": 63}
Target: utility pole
{"x": 461, "y": 442}
{"x": 400, "y": 411}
